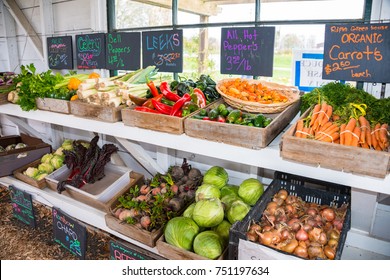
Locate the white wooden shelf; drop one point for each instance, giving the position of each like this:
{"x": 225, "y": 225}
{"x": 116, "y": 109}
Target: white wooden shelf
{"x": 268, "y": 158}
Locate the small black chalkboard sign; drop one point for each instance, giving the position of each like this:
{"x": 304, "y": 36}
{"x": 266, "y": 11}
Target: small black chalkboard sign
{"x": 357, "y": 52}
{"x": 60, "y": 52}
{"x": 247, "y": 50}
{"x": 123, "y": 50}
{"x": 119, "y": 251}
{"x": 91, "y": 51}
{"x": 163, "y": 49}
{"x": 69, "y": 233}
{"x": 22, "y": 206}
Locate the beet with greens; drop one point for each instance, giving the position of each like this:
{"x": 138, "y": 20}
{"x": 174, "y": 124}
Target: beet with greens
{"x": 86, "y": 163}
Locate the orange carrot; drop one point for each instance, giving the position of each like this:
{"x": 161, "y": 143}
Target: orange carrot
{"x": 383, "y": 133}
{"x": 306, "y": 132}
{"x": 342, "y": 133}
{"x": 332, "y": 129}
{"x": 376, "y": 131}
{"x": 348, "y": 131}
{"x": 335, "y": 117}
{"x": 299, "y": 129}
{"x": 368, "y": 135}
{"x": 355, "y": 136}
{"x": 374, "y": 141}
{"x": 325, "y": 126}
{"x": 331, "y": 137}
{"x": 328, "y": 114}
{"x": 315, "y": 113}
{"x": 363, "y": 126}
{"x": 321, "y": 115}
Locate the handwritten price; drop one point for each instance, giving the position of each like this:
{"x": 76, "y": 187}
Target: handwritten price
{"x": 339, "y": 66}
{"x": 237, "y": 63}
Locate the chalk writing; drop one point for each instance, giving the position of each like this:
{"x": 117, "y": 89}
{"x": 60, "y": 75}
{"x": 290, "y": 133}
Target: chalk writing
{"x": 123, "y": 50}
{"x": 120, "y": 251}
{"x": 91, "y": 51}
{"x": 60, "y": 54}
{"x": 22, "y": 206}
{"x": 163, "y": 49}
{"x": 357, "y": 52}
{"x": 247, "y": 51}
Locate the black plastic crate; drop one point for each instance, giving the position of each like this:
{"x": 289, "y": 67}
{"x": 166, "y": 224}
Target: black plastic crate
{"x": 310, "y": 190}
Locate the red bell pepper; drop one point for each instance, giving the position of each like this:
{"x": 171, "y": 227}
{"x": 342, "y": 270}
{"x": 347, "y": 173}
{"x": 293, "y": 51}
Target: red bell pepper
{"x": 161, "y": 107}
{"x": 164, "y": 88}
{"x": 146, "y": 109}
{"x": 200, "y": 98}
{"x": 152, "y": 87}
{"x": 179, "y": 104}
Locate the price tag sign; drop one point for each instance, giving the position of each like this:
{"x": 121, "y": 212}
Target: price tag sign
{"x": 69, "y": 233}
{"x": 247, "y": 51}
{"x": 22, "y": 206}
{"x": 163, "y": 49}
{"x": 357, "y": 52}
{"x": 60, "y": 52}
{"x": 119, "y": 251}
{"x": 91, "y": 51}
{"x": 123, "y": 50}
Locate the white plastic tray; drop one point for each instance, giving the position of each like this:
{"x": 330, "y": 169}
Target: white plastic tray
{"x": 115, "y": 179}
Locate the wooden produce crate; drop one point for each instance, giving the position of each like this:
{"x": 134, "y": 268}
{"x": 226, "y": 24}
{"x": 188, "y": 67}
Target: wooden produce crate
{"x": 53, "y": 105}
{"x": 14, "y": 159}
{"x": 97, "y": 112}
{"x": 4, "y": 95}
{"x": 175, "y": 253}
{"x": 240, "y": 135}
{"x": 18, "y": 173}
{"x": 355, "y": 160}
{"x": 158, "y": 122}
{"x": 309, "y": 190}
{"x": 111, "y": 185}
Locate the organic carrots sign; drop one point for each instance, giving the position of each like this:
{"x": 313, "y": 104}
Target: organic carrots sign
{"x": 357, "y": 52}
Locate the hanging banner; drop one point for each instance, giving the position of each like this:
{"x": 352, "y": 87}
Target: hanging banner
{"x": 357, "y": 52}
{"x": 163, "y": 49}
{"x": 247, "y": 51}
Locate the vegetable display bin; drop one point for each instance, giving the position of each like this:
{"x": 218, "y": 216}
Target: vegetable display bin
{"x": 309, "y": 190}
{"x": 334, "y": 156}
{"x": 240, "y": 135}
{"x": 101, "y": 193}
{"x": 53, "y": 105}
{"x": 18, "y": 174}
{"x": 16, "y": 158}
{"x": 96, "y": 112}
{"x": 157, "y": 122}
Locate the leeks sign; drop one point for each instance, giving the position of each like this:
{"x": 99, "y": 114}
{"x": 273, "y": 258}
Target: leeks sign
{"x": 357, "y": 52}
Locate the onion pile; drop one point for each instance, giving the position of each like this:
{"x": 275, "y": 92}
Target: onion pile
{"x": 304, "y": 229}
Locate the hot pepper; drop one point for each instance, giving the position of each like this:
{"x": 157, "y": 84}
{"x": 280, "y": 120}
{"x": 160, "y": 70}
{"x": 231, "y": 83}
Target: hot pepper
{"x": 148, "y": 103}
{"x": 161, "y": 107}
{"x": 152, "y": 87}
{"x": 164, "y": 88}
{"x": 179, "y": 104}
{"x": 146, "y": 109}
{"x": 200, "y": 98}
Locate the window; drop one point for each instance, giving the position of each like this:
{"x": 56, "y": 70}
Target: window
{"x": 298, "y": 24}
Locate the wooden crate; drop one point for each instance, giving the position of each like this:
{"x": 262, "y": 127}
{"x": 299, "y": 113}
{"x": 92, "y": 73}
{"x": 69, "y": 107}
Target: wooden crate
{"x": 98, "y": 112}
{"x": 175, "y": 253}
{"x": 158, "y": 122}
{"x": 146, "y": 237}
{"x": 135, "y": 179}
{"x": 334, "y": 156}
{"x": 18, "y": 173}
{"x": 53, "y": 105}
{"x": 240, "y": 135}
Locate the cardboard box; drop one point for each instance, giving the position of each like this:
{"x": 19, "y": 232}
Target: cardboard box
{"x": 14, "y": 159}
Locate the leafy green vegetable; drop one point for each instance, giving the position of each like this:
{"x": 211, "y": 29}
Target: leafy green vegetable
{"x": 343, "y": 96}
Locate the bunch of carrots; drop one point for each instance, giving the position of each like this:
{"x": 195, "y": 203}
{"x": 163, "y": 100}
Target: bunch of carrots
{"x": 323, "y": 125}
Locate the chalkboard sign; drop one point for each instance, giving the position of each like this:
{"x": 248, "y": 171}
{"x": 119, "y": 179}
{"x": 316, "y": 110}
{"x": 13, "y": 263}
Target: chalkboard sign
{"x": 22, "y": 206}
{"x": 123, "y": 51}
{"x": 60, "y": 52}
{"x": 119, "y": 251}
{"x": 91, "y": 51}
{"x": 163, "y": 49}
{"x": 357, "y": 52}
{"x": 247, "y": 51}
{"x": 69, "y": 233}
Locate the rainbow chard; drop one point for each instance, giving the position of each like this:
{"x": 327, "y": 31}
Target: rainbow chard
{"x": 86, "y": 163}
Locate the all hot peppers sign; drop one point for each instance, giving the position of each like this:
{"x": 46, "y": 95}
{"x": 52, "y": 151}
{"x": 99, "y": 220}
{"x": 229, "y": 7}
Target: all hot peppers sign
{"x": 354, "y": 52}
